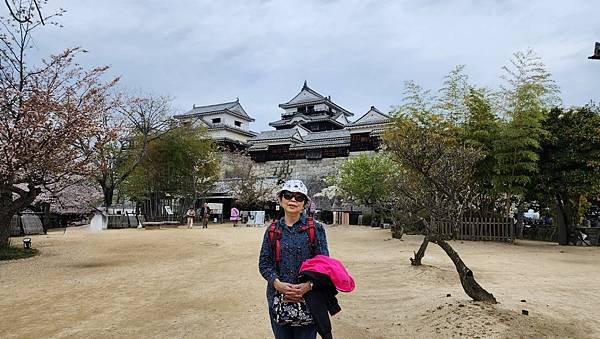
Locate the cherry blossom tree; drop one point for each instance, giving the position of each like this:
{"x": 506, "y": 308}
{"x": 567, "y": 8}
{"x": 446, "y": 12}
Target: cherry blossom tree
{"x": 47, "y": 109}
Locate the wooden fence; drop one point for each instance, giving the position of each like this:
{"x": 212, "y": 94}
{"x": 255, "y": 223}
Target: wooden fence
{"x": 471, "y": 228}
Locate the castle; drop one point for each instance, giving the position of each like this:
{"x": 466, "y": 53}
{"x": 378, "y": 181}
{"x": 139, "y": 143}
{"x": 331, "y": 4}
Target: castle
{"x": 311, "y": 140}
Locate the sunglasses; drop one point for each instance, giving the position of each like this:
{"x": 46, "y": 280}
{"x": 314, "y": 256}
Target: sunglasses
{"x": 298, "y": 196}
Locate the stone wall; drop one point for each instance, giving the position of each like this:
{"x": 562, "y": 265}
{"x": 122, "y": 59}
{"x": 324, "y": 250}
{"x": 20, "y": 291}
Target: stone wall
{"x": 227, "y": 160}
{"x": 302, "y": 169}
{"x": 311, "y": 172}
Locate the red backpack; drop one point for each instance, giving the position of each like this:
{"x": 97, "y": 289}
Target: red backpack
{"x": 275, "y": 237}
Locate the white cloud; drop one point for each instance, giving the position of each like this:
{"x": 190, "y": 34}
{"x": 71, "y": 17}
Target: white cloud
{"x": 359, "y": 52}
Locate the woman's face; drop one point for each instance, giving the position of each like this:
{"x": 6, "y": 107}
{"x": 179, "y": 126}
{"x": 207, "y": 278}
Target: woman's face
{"x": 292, "y": 202}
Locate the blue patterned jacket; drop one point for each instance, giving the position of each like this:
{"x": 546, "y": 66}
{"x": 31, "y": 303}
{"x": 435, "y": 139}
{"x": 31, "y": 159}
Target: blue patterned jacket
{"x": 295, "y": 248}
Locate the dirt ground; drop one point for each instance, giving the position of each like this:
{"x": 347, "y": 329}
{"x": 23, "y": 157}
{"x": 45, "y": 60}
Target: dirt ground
{"x": 204, "y": 283}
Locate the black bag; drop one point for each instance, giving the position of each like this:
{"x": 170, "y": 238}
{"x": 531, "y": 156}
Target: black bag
{"x": 292, "y": 314}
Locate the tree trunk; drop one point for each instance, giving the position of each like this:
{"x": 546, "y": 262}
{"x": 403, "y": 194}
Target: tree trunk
{"x": 397, "y": 227}
{"x": 416, "y": 261}
{"x": 520, "y": 221}
{"x": 455, "y": 228}
{"x": 467, "y": 279}
{"x": 397, "y": 230}
{"x": 108, "y": 192}
{"x": 9, "y": 207}
{"x": 5, "y": 217}
{"x": 562, "y": 221}
{"x": 5, "y": 220}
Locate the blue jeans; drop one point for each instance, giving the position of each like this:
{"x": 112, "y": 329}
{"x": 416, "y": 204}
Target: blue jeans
{"x": 289, "y": 332}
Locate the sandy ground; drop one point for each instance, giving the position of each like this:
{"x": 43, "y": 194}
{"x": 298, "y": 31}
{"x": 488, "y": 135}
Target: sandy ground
{"x": 204, "y": 283}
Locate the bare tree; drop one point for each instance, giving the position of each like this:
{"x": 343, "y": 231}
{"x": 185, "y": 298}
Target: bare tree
{"x": 21, "y": 16}
{"x": 247, "y": 187}
{"x": 131, "y": 123}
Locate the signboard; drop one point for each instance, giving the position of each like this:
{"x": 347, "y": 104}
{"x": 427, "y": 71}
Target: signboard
{"x": 256, "y": 218}
{"x": 215, "y": 208}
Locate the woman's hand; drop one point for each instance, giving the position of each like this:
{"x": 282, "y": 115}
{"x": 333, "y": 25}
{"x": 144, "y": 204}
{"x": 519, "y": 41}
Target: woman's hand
{"x": 303, "y": 288}
{"x": 292, "y": 292}
{"x": 283, "y": 287}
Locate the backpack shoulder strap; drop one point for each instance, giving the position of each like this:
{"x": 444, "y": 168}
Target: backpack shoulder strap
{"x": 274, "y": 237}
{"x": 312, "y": 238}
{"x": 311, "y": 232}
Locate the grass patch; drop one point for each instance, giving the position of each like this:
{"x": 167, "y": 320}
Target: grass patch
{"x": 11, "y": 253}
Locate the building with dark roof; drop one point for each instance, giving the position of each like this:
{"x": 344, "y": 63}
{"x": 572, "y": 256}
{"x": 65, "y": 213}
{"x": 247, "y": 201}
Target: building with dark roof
{"x": 227, "y": 123}
{"x": 313, "y": 111}
{"x": 312, "y": 126}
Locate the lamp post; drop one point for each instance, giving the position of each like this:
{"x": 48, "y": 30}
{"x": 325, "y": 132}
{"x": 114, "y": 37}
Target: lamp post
{"x": 596, "y": 55}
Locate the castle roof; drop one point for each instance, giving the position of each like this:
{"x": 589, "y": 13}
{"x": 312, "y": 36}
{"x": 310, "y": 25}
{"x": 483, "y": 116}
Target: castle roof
{"x": 308, "y": 96}
{"x": 325, "y": 139}
{"x": 276, "y": 135}
{"x": 298, "y": 141}
{"x": 234, "y": 108}
{"x": 372, "y": 117}
{"x": 300, "y": 118}
{"x": 327, "y": 135}
{"x": 221, "y": 126}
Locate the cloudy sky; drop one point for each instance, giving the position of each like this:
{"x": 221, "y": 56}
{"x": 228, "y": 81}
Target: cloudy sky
{"x": 359, "y": 52}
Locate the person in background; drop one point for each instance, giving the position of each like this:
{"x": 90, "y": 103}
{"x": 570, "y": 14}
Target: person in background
{"x": 205, "y": 215}
{"x": 190, "y": 217}
{"x": 312, "y": 209}
{"x": 235, "y": 215}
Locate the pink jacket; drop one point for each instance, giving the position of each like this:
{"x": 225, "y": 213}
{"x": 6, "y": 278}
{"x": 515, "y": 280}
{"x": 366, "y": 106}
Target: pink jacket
{"x": 336, "y": 271}
{"x": 235, "y": 214}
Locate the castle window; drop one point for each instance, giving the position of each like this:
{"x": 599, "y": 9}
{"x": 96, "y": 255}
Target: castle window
{"x": 238, "y": 123}
{"x": 216, "y": 120}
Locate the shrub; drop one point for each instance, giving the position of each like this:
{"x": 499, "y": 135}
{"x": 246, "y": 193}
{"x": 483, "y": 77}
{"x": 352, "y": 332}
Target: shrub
{"x": 366, "y": 219}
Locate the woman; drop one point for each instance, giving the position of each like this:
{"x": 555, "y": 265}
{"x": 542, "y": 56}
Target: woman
{"x": 294, "y": 248}
{"x": 190, "y": 217}
{"x": 235, "y": 216}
